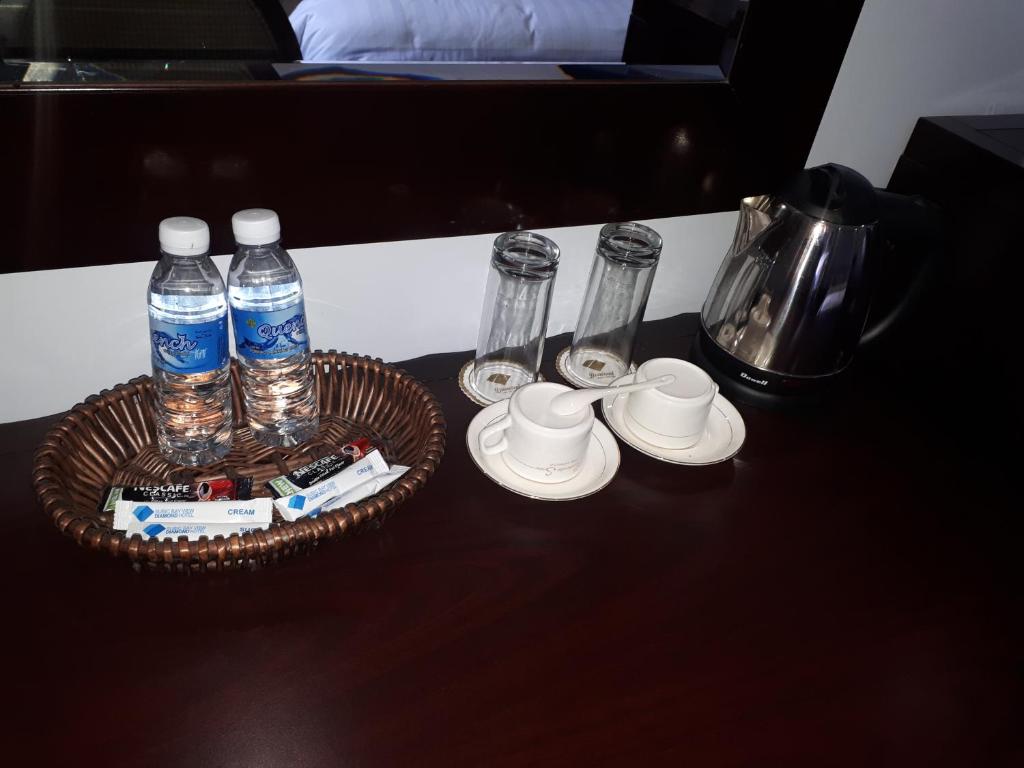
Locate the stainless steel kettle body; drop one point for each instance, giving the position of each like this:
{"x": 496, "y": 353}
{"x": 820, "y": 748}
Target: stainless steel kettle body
{"x": 790, "y": 301}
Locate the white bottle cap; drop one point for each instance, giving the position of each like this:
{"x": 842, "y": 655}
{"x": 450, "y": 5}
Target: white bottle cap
{"x": 256, "y": 226}
{"x": 184, "y": 236}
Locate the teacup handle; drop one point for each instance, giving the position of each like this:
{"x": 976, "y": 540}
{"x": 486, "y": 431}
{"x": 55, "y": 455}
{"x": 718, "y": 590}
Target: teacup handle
{"x": 490, "y": 431}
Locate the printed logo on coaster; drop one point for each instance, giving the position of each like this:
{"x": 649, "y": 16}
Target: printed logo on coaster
{"x": 142, "y": 513}
{"x": 596, "y": 368}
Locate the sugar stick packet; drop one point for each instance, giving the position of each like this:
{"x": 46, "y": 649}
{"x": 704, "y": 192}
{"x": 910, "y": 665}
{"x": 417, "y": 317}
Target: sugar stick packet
{"x": 365, "y": 489}
{"x": 192, "y": 531}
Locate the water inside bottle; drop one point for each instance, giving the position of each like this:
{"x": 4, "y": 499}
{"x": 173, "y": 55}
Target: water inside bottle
{"x": 193, "y": 407}
{"x": 271, "y": 342}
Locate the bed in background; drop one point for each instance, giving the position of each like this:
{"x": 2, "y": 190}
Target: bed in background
{"x": 461, "y": 30}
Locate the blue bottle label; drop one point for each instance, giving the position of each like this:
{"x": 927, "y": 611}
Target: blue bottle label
{"x": 269, "y": 335}
{"x": 189, "y": 347}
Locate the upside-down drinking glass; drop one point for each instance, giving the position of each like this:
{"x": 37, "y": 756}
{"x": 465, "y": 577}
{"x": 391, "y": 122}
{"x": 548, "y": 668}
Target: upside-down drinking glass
{"x": 515, "y": 314}
{"x": 620, "y": 282}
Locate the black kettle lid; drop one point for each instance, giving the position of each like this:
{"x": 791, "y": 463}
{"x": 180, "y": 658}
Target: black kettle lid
{"x": 832, "y": 193}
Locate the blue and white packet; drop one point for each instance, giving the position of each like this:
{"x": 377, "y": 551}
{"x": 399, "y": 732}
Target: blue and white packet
{"x": 146, "y": 516}
{"x": 366, "y": 488}
{"x": 192, "y": 531}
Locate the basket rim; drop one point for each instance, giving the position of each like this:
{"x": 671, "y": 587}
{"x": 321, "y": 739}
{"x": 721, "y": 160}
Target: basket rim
{"x": 279, "y": 539}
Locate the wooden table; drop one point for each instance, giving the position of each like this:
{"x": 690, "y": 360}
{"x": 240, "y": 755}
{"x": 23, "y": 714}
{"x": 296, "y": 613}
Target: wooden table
{"x": 845, "y": 592}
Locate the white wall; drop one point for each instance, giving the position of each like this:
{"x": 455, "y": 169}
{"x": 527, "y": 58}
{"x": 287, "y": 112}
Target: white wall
{"x": 919, "y": 58}
{"x": 390, "y": 300}
{"x": 907, "y": 58}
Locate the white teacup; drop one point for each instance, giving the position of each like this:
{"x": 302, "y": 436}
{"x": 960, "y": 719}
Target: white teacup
{"x": 537, "y": 443}
{"x": 675, "y": 415}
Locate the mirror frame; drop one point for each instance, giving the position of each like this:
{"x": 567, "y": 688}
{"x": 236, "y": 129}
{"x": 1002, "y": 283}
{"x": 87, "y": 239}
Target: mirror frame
{"x": 91, "y": 170}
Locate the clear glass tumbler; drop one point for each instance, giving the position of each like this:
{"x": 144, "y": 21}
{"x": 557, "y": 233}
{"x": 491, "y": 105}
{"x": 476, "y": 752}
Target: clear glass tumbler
{"x": 620, "y": 282}
{"x": 515, "y": 314}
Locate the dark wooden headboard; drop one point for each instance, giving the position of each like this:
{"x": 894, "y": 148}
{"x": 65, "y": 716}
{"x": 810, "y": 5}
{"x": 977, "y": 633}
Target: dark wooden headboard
{"x": 89, "y": 171}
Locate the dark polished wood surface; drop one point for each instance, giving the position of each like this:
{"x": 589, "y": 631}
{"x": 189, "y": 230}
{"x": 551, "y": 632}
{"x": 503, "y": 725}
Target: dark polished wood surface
{"x": 845, "y": 592}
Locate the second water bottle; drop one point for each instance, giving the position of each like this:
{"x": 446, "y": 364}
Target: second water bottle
{"x": 271, "y": 340}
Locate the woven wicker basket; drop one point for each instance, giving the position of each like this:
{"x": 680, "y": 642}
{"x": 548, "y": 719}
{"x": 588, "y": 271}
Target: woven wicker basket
{"x": 111, "y": 439}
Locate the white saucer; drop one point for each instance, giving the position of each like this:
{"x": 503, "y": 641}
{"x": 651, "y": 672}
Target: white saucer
{"x": 723, "y": 436}
{"x": 599, "y": 465}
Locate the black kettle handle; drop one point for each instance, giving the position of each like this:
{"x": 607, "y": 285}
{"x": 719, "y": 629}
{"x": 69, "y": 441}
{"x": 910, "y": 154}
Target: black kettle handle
{"x": 912, "y": 225}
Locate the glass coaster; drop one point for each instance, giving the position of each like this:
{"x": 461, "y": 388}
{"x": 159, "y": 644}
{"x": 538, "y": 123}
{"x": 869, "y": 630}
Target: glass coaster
{"x": 562, "y": 366}
{"x": 466, "y": 385}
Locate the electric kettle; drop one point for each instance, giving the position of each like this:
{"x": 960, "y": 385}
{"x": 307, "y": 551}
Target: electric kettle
{"x": 789, "y": 305}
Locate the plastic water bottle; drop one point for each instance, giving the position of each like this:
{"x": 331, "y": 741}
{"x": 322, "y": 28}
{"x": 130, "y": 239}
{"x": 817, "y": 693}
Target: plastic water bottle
{"x": 188, "y": 328}
{"x": 271, "y": 341}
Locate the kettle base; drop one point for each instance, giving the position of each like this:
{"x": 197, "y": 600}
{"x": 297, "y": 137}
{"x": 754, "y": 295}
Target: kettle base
{"x": 769, "y": 391}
